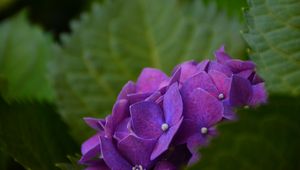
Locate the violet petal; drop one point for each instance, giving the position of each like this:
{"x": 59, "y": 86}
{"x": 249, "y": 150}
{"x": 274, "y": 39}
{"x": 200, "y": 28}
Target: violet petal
{"x": 240, "y": 92}
{"x": 111, "y": 156}
{"x": 172, "y": 105}
{"x": 137, "y": 150}
{"x": 164, "y": 165}
{"x": 187, "y": 129}
{"x": 98, "y": 165}
{"x": 137, "y": 97}
{"x": 219, "y": 67}
{"x": 195, "y": 141}
{"x": 90, "y": 148}
{"x": 259, "y": 94}
{"x": 203, "y": 107}
{"x": 164, "y": 141}
{"x": 128, "y": 88}
{"x": 202, "y": 66}
{"x": 237, "y": 66}
{"x": 188, "y": 69}
{"x": 200, "y": 80}
{"x": 175, "y": 76}
{"x": 119, "y": 113}
{"x": 147, "y": 118}
{"x": 122, "y": 130}
{"x": 94, "y": 123}
{"x": 221, "y": 55}
{"x": 221, "y": 81}
{"x": 246, "y": 74}
{"x": 149, "y": 80}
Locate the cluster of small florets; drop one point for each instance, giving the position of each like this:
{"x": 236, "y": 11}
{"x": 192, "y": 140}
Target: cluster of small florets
{"x": 160, "y": 122}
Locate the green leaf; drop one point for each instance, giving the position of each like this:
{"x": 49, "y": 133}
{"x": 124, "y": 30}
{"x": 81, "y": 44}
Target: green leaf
{"x": 4, "y": 158}
{"x": 111, "y": 44}
{"x": 7, "y": 162}
{"x": 265, "y": 138}
{"x": 24, "y": 53}
{"x": 5, "y": 3}
{"x": 34, "y": 135}
{"x": 233, "y": 7}
{"x": 73, "y": 165}
{"x": 274, "y": 36}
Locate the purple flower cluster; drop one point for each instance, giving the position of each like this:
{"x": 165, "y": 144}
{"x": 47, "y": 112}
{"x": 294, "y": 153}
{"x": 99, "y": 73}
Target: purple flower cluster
{"x": 160, "y": 122}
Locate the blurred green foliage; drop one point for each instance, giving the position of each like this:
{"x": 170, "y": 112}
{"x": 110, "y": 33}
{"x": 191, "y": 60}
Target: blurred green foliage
{"x": 5, "y": 3}
{"x": 111, "y": 44}
{"x": 25, "y": 53}
{"x": 34, "y": 135}
{"x": 273, "y": 34}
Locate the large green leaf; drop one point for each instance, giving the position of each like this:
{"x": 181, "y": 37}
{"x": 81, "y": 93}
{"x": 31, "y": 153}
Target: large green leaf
{"x": 233, "y": 7}
{"x": 24, "y": 53}
{"x": 72, "y": 165}
{"x": 265, "y": 138}
{"x": 34, "y": 135}
{"x": 111, "y": 44}
{"x": 274, "y": 36}
{"x": 4, "y": 158}
{"x": 7, "y": 162}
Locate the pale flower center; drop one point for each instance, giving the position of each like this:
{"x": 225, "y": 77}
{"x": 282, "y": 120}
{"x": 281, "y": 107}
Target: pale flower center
{"x": 138, "y": 167}
{"x": 164, "y": 127}
{"x": 221, "y": 96}
{"x": 204, "y": 130}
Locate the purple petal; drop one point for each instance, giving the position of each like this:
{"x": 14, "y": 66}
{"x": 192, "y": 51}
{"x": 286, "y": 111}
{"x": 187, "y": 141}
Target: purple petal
{"x": 221, "y": 55}
{"x": 137, "y": 150}
{"x": 237, "y": 66}
{"x": 259, "y": 94}
{"x": 246, "y": 74}
{"x": 159, "y": 101}
{"x": 172, "y": 105}
{"x": 164, "y": 140}
{"x": 228, "y": 112}
{"x": 220, "y": 67}
{"x": 119, "y": 113}
{"x": 154, "y": 96}
{"x": 240, "y": 92}
{"x": 187, "y": 129}
{"x": 111, "y": 156}
{"x": 175, "y": 76}
{"x": 147, "y": 119}
{"x": 98, "y": 165}
{"x": 149, "y": 80}
{"x": 200, "y": 80}
{"x": 164, "y": 165}
{"x": 122, "y": 129}
{"x": 196, "y": 141}
{"x": 94, "y": 123}
{"x": 257, "y": 79}
{"x": 194, "y": 159}
{"x": 203, "y": 108}
{"x": 90, "y": 148}
{"x": 221, "y": 81}
{"x": 128, "y": 88}
{"x": 188, "y": 69}
{"x": 202, "y": 66}
{"x": 137, "y": 97}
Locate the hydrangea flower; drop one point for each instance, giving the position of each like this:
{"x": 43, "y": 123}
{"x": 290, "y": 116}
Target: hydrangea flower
{"x": 160, "y": 122}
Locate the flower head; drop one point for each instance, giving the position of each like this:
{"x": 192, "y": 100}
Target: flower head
{"x": 159, "y": 122}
